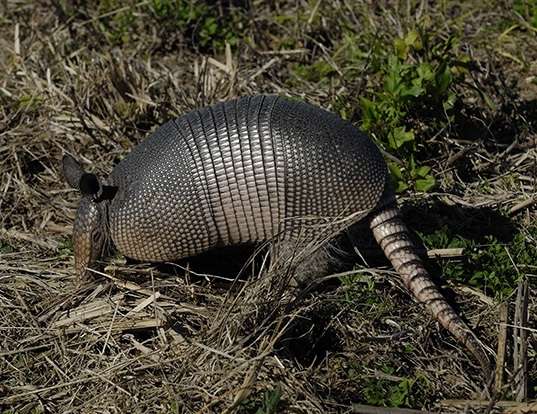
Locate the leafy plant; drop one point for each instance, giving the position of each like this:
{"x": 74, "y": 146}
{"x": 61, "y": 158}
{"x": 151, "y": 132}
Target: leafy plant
{"x": 316, "y": 72}
{"x": 118, "y": 21}
{"x": 271, "y": 399}
{"x": 527, "y": 9}
{"x": 492, "y": 266}
{"x": 422, "y": 85}
{"x": 5, "y": 248}
{"x": 357, "y": 286}
{"x": 200, "y": 22}
{"x": 362, "y": 293}
{"x": 28, "y": 103}
{"x": 268, "y": 405}
{"x": 65, "y": 247}
{"x": 382, "y": 392}
{"x": 201, "y": 25}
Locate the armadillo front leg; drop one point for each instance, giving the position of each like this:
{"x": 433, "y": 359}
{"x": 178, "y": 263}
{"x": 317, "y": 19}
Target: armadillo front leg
{"x": 393, "y": 237}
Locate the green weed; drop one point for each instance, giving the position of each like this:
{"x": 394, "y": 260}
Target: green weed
{"x": 118, "y": 23}
{"x": 316, "y": 72}
{"x": 271, "y": 399}
{"x": 5, "y": 247}
{"x": 359, "y": 286}
{"x": 362, "y": 293}
{"x": 65, "y": 247}
{"x": 527, "y": 9}
{"x": 412, "y": 82}
{"x": 268, "y": 404}
{"x": 200, "y": 22}
{"x": 492, "y": 266}
{"x": 405, "y": 393}
{"x": 29, "y": 103}
{"x": 422, "y": 86}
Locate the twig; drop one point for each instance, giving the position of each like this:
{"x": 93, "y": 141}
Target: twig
{"x": 47, "y": 243}
{"x": 24, "y": 350}
{"x": 119, "y": 326}
{"x": 522, "y": 408}
{"x": 133, "y": 287}
{"x": 502, "y": 340}
{"x": 100, "y": 310}
{"x": 125, "y": 284}
{"x": 520, "y": 348}
{"x": 146, "y": 302}
{"x": 446, "y": 253}
{"x": 369, "y": 409}
{"x": 478, "y": 294}
{"x": 313, "y": 12}
{"x": 263, "y": 69}
{"x": 284, "y": 52}
{"x": 98, "y": 375}
{"x": 17, "y": 46}
{"x": 508, "y": 406}
{"x": 111, "y": 13}
{"x": 522, "y": 205}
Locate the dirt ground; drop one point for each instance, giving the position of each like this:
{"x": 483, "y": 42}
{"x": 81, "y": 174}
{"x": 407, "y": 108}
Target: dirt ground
{"x": 94, "y": 78}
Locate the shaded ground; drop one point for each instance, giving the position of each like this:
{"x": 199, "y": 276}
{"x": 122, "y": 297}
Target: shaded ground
{"x": 93, "y": 79}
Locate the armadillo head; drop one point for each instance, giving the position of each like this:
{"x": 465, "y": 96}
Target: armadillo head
{"x": 90, "y": 230}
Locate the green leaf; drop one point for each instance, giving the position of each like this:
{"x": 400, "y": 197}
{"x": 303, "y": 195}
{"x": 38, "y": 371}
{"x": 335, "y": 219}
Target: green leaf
{"x": 413, "y": 39}
{"x": 488, "y": 101}
{"x": 315, "y": 72}
{"x": 399, "y": 136}
{"x": 369, "y": 113}
{"x": 271, "y": 400}
{"x": 400, "y": 393}
{"x": 401, "y": 48}
{"x": 423, "y": 171}
{"x": 414, "y": 90}
{"x": 403, "y": 45}
{"x": 401, "y": 186}
{"x": 395, "y": 170}
{"x": 425, "y": 184}
{"x": 392, "y": 82}
{"x": 443, "y": 79}
{"x": 6, "y": 248}
{"x": 412, "y": 165}
{"x": 425, "y": 72}
{"x": 449, "y": 102}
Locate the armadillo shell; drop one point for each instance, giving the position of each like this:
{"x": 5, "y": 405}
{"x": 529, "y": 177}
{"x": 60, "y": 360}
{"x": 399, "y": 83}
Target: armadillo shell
{"x": 242, "y": 171}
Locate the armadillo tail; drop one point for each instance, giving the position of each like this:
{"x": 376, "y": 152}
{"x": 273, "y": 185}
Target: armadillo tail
{"x": 393, "y": 237}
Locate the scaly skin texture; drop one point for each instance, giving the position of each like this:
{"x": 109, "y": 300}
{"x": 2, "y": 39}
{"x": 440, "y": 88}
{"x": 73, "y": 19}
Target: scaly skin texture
{"x": 393, "y": 237}
{"x": 89, "y": 234}
{"x": 249, "y": 170}
{"x": 242, "y": 171}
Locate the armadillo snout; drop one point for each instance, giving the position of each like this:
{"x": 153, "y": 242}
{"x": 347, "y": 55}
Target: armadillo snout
{"x": 88, "y": 235}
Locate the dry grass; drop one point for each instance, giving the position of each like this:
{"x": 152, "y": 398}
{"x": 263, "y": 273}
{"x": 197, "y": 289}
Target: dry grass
{"x": 141, "y": 338}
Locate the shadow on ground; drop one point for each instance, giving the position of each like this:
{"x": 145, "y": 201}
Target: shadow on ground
{"x": 312, "y": 336}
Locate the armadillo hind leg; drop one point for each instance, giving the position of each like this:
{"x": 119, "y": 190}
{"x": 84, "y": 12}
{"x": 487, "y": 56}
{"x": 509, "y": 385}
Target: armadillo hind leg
{"x": 393, "y": 237}
{"x": 307, "y": 263}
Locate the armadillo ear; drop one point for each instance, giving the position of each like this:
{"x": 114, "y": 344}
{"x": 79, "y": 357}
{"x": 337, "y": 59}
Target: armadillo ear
{"x": 72, "y": 171}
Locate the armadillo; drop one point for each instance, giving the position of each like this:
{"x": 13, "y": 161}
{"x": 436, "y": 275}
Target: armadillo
{"x": 243, "y": 171}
